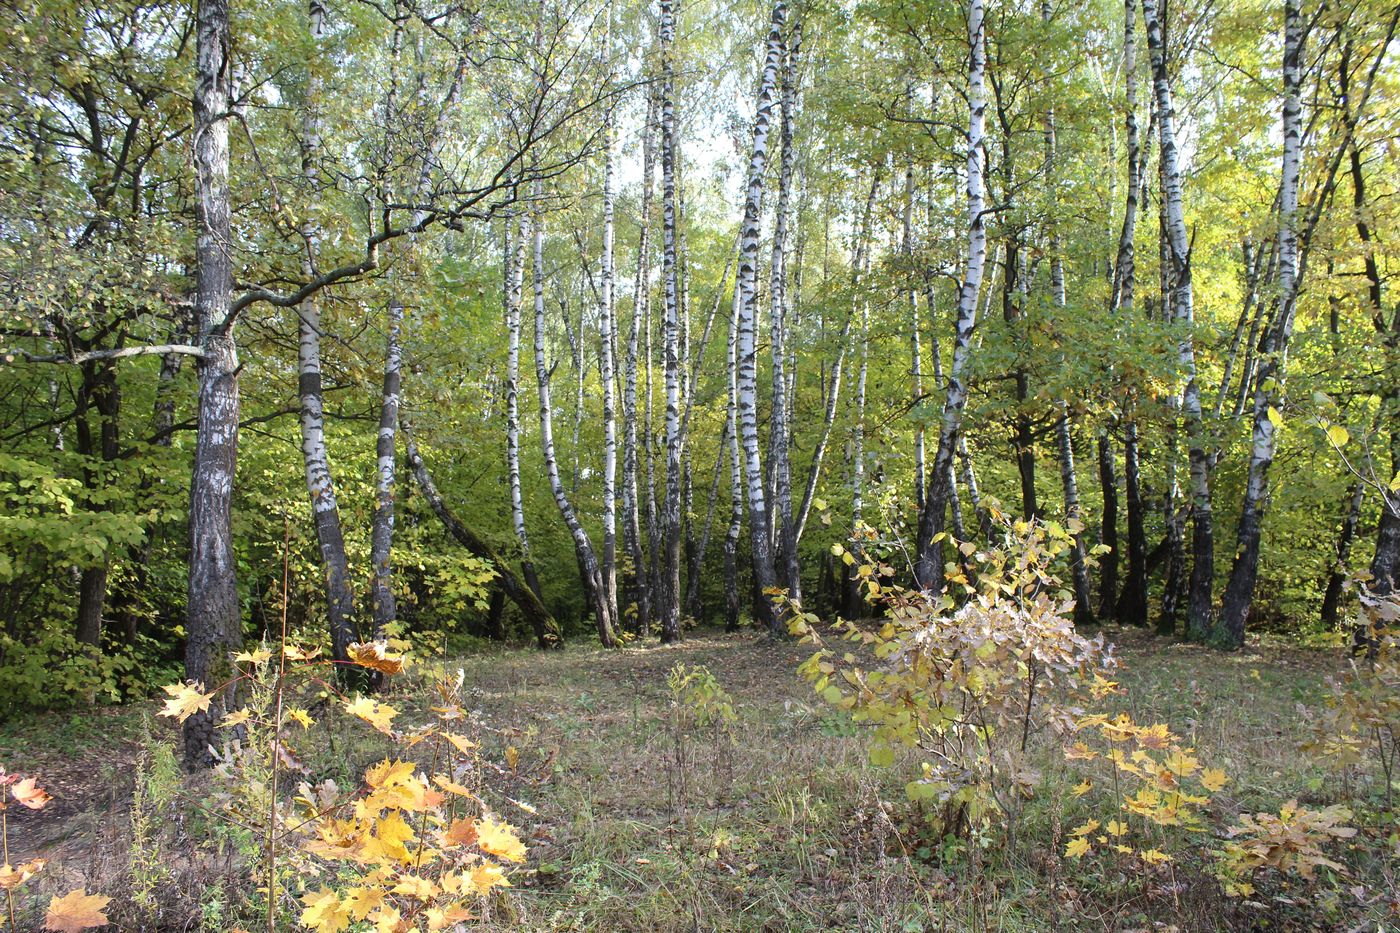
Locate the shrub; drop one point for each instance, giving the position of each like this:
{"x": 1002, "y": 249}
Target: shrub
{"x": 965, "y": 685}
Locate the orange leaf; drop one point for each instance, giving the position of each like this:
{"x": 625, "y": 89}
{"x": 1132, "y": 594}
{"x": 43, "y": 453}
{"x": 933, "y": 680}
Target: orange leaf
{"x": 75, "y": 911}
{"x": 28, "y": 794}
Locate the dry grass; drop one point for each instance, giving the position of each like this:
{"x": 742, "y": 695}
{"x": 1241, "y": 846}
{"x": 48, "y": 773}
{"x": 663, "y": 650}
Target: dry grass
{"x": 780, "y": 823}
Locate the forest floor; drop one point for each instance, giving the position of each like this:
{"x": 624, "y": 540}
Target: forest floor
{"x": 779, "y": 822}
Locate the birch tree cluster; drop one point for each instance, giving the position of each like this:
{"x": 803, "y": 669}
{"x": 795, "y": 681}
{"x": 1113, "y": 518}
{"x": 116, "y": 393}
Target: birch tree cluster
{"x": 597, "y": 321}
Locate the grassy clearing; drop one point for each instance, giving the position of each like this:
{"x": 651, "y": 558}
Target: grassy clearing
{"x": 779, "y": 822}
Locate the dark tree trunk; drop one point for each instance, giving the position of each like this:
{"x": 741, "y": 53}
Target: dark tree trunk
{"x": 1332, "y": 598}
{"x": 1108, "y": 532}
{"x": 213, "y": 623}
{"x": 1132, "y": 602}
{"x": 546, "y": 630}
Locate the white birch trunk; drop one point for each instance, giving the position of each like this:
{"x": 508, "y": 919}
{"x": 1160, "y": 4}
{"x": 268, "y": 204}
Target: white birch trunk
{"x": 583, "y": 546}
{"x": 927, "y": 571}
{"x": 746, "y": 348}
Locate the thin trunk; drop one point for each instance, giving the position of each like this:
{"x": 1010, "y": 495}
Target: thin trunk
{"x": 1132, "y": 602}
{"x": 670, "y": 593}
{"x": 833, "y": 382}
{"x": 928, "y": 567}
{"x": 916, "y": 363}
{"x": 523, "y": 596}
{"x": 515, "y": 287}
{"x": 589, "y": 567}
{"x": 1337, "y": 575}
{"x": 637, "y": 585}
{"x": 325, "y": 510}
{"x": 788, "y": 567}
{"x": 606, "y": 364}
{"x": 382, "y": 604}
{"x": 1200, "y": 609}
{"x": 1239, "y": 590}
{"x": 736, "y": 480}
{"x": 1074, "y": 518}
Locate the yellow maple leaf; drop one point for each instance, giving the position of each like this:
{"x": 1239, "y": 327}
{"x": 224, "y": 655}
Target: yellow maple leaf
{"x": 379, "y": 715}
{"x": 29, "y": 794}
{"x": 186, "y": 700}
{"x": 416, "y": 887}
{"x": 1116, "y": 827}
{"x": 362, "y": 901}
{"x": 296, "y": 653}
{"x": 236, "y": 719}
{"x": 486, "y": 876}
{"x": 375, "y": 656}
{"x": 1078, "y": 847}
{"x": 301, "y": 717}
{"x": 500, "y": 840}
{"x": 76, "y": 910}
{"x": 440, "y": 918}
{"x": 1086, "y": 829}
{"x": 389, "y": 773}
{"x": 1082, "y": 788}
{"x": 461, "y": 742}
{"x": 257, "y": 658}
{"x": 452, "y": 786}
{"x": 13, "y": 877}
{"x": 1155, "y": 857}
{"x": 387, "y": 920}
{"x": 324, "y": 912}
{"x": 1214, "y": 779}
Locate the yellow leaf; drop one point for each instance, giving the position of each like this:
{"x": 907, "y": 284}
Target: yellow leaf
{"x": 295, "y": 653}
{"x": 236, "y": 719}
{"x": 1213, "y": 779}
{"x": 500, "y": 840}
{"x": 389, "y": 773}
{"x": 452, "y": 786}
{"x": 387, "y": 920}
{"x": 11, "y": 878}
{"x": 1275, "y": 418}
{"x": 440, "y": 918}
{"x": 460, "y": 742}
{"x": 186, "y": 700}
{"x": 376, "y": 656}
{"x": 379, "y": 715}
{"x": 362, "y": 901}
{"x": 1078, "y": 847}
{"x": 1082, "y": 788}
{"x": 301, "y": 717}
{"x": 256, "y": 658}
{"x": 324, "y": 912}
{"x": 512, "y": 757}
{"x": 422, "y": 889}
{"x": 1338, "y": 435}
{"x": 1155, "y": 857}
{"x": 486, "y": 876}
{"x": 76, "y": 910}
{"x": 1116, "y": 827}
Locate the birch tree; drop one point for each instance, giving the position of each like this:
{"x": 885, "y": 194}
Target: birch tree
{"x": 927, "y": 568}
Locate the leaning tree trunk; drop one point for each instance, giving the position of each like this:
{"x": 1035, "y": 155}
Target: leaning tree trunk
{"x": 589, "y": 567}
{"x": 325, "y": 511}
{"x": 1239, "y": 591}
{"x": 214, "y": 627}
{"x": 382, "y": 604}
{"x": 746, "y": 348}
{"x": 529, "y": 604}
{"x": 928, "y": 569}
{"x": 1200, "y": 607}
